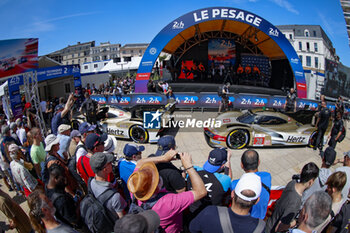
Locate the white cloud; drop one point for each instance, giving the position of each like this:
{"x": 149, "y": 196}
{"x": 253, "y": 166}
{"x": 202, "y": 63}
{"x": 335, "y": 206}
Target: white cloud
{"x": 287, "y": 5}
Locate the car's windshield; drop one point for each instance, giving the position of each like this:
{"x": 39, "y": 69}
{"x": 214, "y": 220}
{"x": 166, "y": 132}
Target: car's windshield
{"x": 247, "y": 118}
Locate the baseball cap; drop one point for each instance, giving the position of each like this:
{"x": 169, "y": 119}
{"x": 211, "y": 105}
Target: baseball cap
{"x": 165, "y": 143}
{"x": 347, "y": 153}
{"x": 63, "y": 127}
{"x": 59, "y": 107}
{"x": 131, "y": 149}
{"x": 147, "y": 221}
{"x": 86, "y": 127}
{"x": 93, "y": 139}
{"x": 99, "y": 160}
{"x": 217, "y": 157}
{"x": 248, "y": 181}
{"x": 329, "y": 155}
{"x": 75, "y": 133}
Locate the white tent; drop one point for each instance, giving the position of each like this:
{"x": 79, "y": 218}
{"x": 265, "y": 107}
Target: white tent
{"x": 123, "y": 66}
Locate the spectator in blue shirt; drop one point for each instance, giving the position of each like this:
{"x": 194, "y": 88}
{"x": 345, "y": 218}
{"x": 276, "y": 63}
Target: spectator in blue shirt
{"x": 127, "y": 165}
{"x": 250, "y": 162}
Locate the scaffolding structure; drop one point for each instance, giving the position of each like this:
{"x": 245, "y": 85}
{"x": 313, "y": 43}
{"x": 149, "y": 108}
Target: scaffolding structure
{"x": 31, "y": 92}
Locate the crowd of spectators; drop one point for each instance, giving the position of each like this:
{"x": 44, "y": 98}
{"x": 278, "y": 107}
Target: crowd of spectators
{"x": 70, "y": 177}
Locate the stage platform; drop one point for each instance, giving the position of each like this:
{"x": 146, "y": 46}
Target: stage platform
{"x": 213, "y": 87}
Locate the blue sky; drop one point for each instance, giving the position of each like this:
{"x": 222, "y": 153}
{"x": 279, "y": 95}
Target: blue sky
{"x": 61, "y": 23}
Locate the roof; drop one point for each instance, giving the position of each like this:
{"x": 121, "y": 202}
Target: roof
{"x": 122, "y": 66}
{"x": 266, "y": 45}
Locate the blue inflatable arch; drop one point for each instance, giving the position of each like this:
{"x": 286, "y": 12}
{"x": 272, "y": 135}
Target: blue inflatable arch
{"x": 271, "y": 41}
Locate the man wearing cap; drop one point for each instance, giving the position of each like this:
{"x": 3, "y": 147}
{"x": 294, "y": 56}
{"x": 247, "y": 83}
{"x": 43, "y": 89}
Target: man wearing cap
{"x": 94, "y": 143}
{"x": 328, "y": 157}
{"x": 37, "y": 151}
{"x": 346, "y": 169}
{"x": 146, "y": 222}
{"x": 76, "y": 138}
{"x": 238, "y": 219}
{"x": 85, "y": 129}
{"x": 315, "y": 210}
{"x": 20, "y": 173}
{"x": 60, "y": 113}
{"x": 133, "y": 153}
{"x": 89, "y": 109}
{"x": 101, "y": 165}
{"x": 336, "y": 131}
{"x": 64, "y": 137}
{"x": 110, "y": 144}
{"x": 172, "y": 177}
{"x": 146, "y": 185}
{"x": 249, "y": 163}
{"x": 216, "y": 183}
{"x": 289, "y": 204}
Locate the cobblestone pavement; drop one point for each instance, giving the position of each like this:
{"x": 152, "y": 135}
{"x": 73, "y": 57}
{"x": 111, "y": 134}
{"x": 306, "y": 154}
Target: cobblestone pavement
{"x": 282, "y": 163}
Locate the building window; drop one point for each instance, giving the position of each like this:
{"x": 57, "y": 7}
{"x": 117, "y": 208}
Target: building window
{"x": 306, "y": 33}
{"x": 86, "y": 67}
{"x": 314, "y": 33}
{"x": 95, "y": 65}
{"x": 73, "y": 62}
{"x": 308, "y": 61}
{"x": 300, "y": 45}
{"x": 307, "y": 46}
{"x": 78, "y": 61}
{"x": 301, "y": 59}
{"x": 316, "y": 48}
{"x": 316, "y": 62}
{"x": 85, "y": 59}
{"x": 291, "y": 36}
{"x": 67, "y": 87}
{"x": 140, "y": 51}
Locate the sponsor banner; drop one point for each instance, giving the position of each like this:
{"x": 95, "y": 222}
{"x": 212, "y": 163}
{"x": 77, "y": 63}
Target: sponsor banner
{"x": 143, "y": 76}
{"x": 148, "y": 99}
{"x": 221, "y": 53}
{"x": 276, "y": 102}
{"x": 186, "y": 100}
{"x": 212, "y": 100}
{"x": 309, "y": 104}
{"x": 15, "y": 96}
{"x": 218, "y": 13}
{"x": 18, "y": 56}
{"x": 59, "y": 71}
{"x": 250, "y": 101}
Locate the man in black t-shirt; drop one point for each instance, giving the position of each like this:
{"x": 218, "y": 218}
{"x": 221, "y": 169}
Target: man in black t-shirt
{"x": 339, "y": 106}
{"x": 89, "y": 108}
{"x": 63, "y": 202}
{"x": 336, "y": 131}
{"x": 171, "y": 175}
{"x": 322, "y": 125}
{"x": 291, "y": 101}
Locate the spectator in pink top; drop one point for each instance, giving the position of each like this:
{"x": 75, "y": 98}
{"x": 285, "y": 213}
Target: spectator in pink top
{"x": 146, "y": 186}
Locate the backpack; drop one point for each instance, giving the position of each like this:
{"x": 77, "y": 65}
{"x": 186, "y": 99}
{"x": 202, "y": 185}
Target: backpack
{"x": 343, "y": 134}
{"x": 96, "y": 216}
{"x": 45, "y": 170}
{"x": 135, "y": 208}
{"x": 72, "y": 167}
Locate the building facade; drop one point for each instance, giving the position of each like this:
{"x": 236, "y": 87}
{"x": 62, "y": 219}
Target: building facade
{"x": 132, "y": 50}
{"x": 313, "y": 46}
{"x": 105, "y": 51}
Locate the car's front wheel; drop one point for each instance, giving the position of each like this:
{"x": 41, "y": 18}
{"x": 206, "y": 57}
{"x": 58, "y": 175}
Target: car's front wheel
{"x": 238, "y": 139}
{"x": 312, "y": 140}
{"x": 138, "y": 134}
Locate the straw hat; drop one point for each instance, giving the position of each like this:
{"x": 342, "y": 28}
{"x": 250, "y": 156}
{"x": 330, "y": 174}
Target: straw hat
{"x": 143, "y": 182}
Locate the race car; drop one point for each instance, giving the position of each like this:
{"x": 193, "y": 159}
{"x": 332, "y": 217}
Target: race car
{"x": 258, "y": 127}
{"x": 120, "y": 123}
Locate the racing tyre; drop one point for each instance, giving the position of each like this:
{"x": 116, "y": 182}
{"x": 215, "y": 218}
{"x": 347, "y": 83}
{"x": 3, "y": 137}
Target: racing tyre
{"x": 237, "y": 139}
{"x": 312, "y": 140}
{"x": 138, "y": 134}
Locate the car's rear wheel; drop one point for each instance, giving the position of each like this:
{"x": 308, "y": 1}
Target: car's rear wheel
{"x": 238, "y": 139}
{"x": 312, "y": 140}
{"x": 138, "y": 134}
